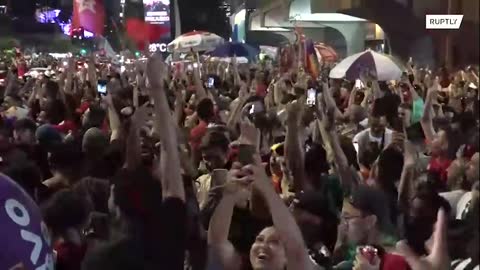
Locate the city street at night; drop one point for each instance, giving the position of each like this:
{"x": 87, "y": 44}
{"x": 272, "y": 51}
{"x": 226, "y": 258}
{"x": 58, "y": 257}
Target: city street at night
{"x": 239, "y": 134}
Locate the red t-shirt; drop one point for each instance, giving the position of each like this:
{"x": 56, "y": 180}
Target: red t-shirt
{"x": 393, "y": 262}
{"x": 69, "y": 256}
{"x": 83, "y": 107}
{"x": 197, "y": 133}
{"x": 21, "y": 69}
{"x": 66, "y": 126}
{"x": 440, "y": 167}
{"x": 261, "y": 90}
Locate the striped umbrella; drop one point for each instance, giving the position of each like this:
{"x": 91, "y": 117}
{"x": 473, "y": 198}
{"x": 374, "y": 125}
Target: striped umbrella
{"x": 368, "y": 61}
{"x": 195, "y": 40}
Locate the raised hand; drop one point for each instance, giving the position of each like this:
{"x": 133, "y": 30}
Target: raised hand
{"x": 237, "y": 180}
{"x": 427, "y": 80}
{"x": 140, "y": 115}
{"x": 294, "y": 109}
{"x": 238, "y": 185}
{"x": 327, "y": 114}
{"x": 433, "y": 90}
{"x": 410, "y": 155}
{"x": 410, "y": 61}
{"x": 249, "y": 134}
{"x": 398, "y": 139}
{"x": 256, "y": 174}
{"x": 361, "y": 263}
{"x": 108, "y": 100}
{"x": 438, "y": 258}
{"x": 71, "y": 64}
{"x": 156, "y": 70}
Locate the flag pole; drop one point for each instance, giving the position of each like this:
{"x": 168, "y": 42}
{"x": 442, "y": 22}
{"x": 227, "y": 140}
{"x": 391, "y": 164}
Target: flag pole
{"x": 117, "y": 33}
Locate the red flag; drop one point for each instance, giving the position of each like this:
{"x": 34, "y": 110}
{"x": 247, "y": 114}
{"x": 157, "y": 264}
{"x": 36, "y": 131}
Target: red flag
{"x": 89, "y": 14}
{"x": 142, "y": 32}
{"x": 311, "y": 60}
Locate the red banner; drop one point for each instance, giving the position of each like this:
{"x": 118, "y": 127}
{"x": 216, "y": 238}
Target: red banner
{"x": 142, "y": 32}
{"x": 89, "y": 14}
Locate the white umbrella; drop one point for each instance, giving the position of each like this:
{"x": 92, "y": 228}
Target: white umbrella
{"x": 240, "y": 60}
{"x": 368, "y": 61}
{"x": 196, "y": 40}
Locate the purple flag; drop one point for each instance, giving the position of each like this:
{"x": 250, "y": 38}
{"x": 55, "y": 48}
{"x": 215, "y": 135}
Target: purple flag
{"x": 24, "y": 236}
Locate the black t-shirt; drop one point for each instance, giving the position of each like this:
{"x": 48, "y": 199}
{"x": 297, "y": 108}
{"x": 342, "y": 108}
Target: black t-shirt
{"x": 39, "y": 156}
{"x": 107, "y": 164}
{"x": 161, "y": 247}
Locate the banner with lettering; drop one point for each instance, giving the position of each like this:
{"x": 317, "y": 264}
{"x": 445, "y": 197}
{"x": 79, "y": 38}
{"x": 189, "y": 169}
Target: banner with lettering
{"x": 24, "y": 236}
{"x": 140, "y": 32}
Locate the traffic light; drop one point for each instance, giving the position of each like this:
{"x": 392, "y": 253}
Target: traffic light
{"x": 83, "y": 52}
{"x": 137, "y": 54}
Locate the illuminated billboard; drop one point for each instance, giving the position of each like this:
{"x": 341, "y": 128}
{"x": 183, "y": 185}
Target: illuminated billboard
{"x": 158, "y": 12}
{"x": 51, "y": 16}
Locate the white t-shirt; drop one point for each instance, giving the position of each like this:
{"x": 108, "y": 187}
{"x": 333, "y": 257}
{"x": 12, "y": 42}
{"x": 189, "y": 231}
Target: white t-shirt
{"x": 361, "y": 137}
{"x": 463, "y": 204}
{"x": 453, "y": 197}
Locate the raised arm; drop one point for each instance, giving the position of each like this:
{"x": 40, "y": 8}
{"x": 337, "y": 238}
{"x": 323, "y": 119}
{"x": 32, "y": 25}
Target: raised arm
{"x": 284, "y": 222}
{"x": 293, "y": 145}
{"x": 351, "y": 100}
{"x": 235, "y": 113}
{"x": 236, "y": 74}
{"x": 413, "y": 93}
{"x": 347, "y": 179}
{"x": 426, "y": 120}
{"x": 200, "y": 93}
{"x": 11, "y": 83}
{"x": 92, "y": 73}
{"x": 171, "y": 178}
{"x": 29, "y": 85}
{"x": 221, "y": 220}
{"x": 113, "y": 118}
{"x": 33, "y": 95}
{"x": 69, "y": 71}
{"x": 63, "y": 97}
{"x": 405, "y": 187}
{"x": 179, "y": 107}
{"x": 133, "y": 148}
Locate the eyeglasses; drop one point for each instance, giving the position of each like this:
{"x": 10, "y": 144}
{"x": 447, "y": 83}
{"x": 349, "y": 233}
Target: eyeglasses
{"x": 347, "y": 219}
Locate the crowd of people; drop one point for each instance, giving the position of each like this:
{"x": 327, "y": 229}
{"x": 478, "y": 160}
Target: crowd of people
{"x": 230, "y": 166}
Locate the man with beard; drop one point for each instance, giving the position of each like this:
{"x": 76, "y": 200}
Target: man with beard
{"x": 318, "y": 222}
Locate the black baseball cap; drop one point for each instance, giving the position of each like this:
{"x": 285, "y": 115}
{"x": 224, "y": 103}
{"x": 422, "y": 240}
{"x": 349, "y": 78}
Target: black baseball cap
{"x": 317, "y": 204}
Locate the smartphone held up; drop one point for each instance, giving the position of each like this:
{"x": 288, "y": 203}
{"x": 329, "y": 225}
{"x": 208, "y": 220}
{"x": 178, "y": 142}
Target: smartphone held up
{"x": 210, "y": 82}
{"x": 311, "y": 97}
{"x": 102, "y": 87}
